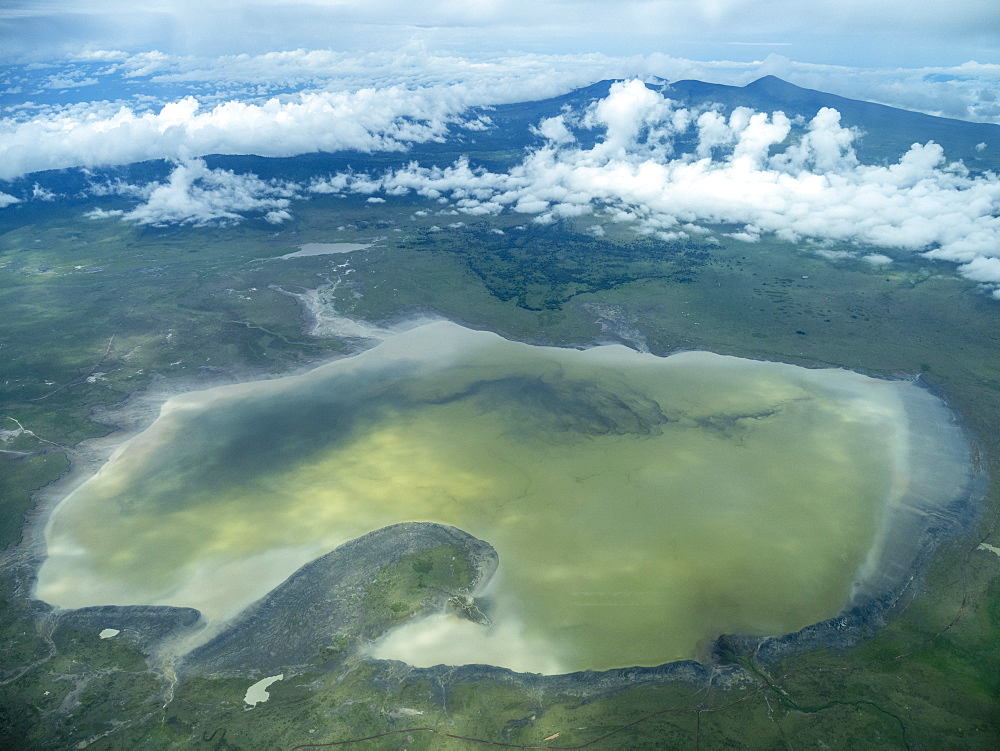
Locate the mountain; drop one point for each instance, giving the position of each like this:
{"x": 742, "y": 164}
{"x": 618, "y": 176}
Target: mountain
{"x": 887, "y": 132}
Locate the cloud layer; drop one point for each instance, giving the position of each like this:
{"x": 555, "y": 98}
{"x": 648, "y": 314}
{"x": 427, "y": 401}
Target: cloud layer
{"x": 851, "y": 32}
{"x": 757, "y": 170}
{"x": 280, "y": 104}
{"x": 764, "y": 173}
{"x": 196, "y": 195}
{"x": 366, "y": 120}
{"x": 742, "y": 171}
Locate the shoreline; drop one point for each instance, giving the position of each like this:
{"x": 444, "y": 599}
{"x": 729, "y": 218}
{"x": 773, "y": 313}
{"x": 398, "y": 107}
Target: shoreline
{"x": 140, "y": 409}
{"x": 125, "y": 420}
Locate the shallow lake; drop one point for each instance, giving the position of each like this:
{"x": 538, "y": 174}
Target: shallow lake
{"x": 639, "y": 505}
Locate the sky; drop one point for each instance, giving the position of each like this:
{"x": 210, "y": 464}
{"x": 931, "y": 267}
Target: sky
{"x": 883, "y": 33}
{"x": 87, "y": 85}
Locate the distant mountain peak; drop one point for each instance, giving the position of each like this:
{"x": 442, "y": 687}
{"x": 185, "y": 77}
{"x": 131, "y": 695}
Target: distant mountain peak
{"x": 772, "y": 84}
{"x": 888, "y": 132}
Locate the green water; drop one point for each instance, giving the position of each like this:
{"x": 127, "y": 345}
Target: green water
{"x": 638, "y": 504}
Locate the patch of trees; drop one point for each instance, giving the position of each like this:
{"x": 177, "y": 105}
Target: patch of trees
{"x": 540, "y": 268}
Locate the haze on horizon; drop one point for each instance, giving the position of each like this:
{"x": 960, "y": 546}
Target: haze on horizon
{"x": 913, "y": 54}
{"x": 854, "y": 33}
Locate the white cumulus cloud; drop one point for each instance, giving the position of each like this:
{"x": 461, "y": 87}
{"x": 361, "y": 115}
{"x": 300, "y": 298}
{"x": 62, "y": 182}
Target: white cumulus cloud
{"x": 301, "y": 101}
{"x": 366, "y": 120}
{"x": 877, "y": 259}
{"x": 745, "y": 170}
{"x": 194, "y": 194}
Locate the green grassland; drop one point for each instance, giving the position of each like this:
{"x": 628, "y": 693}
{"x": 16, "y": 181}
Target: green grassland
{"x": 96, "y": 310}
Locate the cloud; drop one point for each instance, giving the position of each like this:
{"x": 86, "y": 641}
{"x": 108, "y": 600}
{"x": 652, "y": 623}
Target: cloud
{"x": 964, "y": 91}
{"x": 877, "y": 259}
{"x": 758, "y": 170}
{"x": 366, "y": 120}
{"x": 277, "y": 217}
{"x": 842, "y": 31}
{"x": 6, "y": 200}
{"x": 382, "y": 102}
{"x": 754, "y": 169}
{"x": 67, "y": 82}
{"x": 104, "y": 56}
{"x": 196, "y": 195}
{"x": 302, "y": 101}
{"x": 39, "y": 193}
{"x": 104, "y": 214}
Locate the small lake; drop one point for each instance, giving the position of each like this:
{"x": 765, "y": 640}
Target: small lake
{"x": 640, "y": 505}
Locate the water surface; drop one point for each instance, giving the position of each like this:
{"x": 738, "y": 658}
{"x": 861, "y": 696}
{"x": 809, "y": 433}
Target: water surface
{"x": 638, "y": 504}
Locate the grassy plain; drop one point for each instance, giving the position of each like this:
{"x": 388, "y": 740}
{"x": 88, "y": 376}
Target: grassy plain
{"x": 95, "y": 310}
